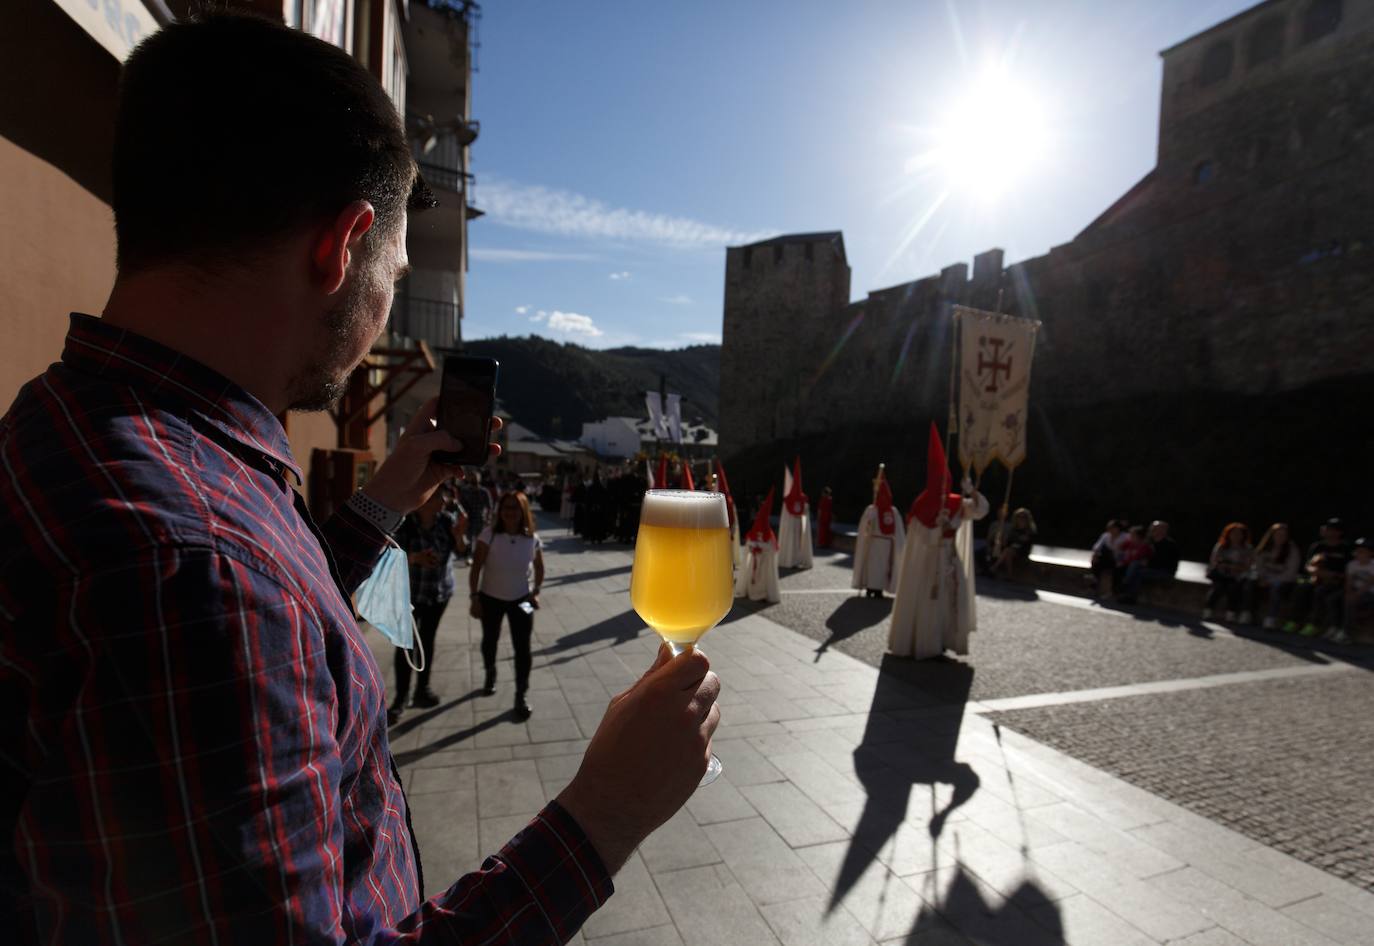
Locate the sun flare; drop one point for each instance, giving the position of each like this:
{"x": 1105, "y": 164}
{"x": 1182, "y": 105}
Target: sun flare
{"x": 989, "y": 140}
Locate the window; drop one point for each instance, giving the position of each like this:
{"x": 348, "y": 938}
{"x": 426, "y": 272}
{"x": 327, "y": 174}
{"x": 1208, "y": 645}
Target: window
{"x": 1204, "y": 173}
{"x": 1216, "y": 62}
{"x": 1322, "y": 17}
{"x": 1266, "y": 41}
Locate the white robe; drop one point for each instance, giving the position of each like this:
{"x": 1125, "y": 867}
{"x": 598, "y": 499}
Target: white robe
{"x": 877, "y": 557}
{"x": 794, "y": 539}
{"x": 565, "y": 509}
{"x": 737, "y": 556}
{"x": 922, "y": 626}
{"x": 757, "y": 578}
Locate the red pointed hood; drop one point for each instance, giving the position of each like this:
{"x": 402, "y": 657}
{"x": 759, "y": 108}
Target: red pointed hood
{"x": 687, "y": 476}
{"x": 795, "y": 500}
{"x": 762, "y": 530}
{"x": 661, "y": 476}
{"x": 724, "y": 486}
{"x": 926, "y": 508}
{"x": 887, "y": 516}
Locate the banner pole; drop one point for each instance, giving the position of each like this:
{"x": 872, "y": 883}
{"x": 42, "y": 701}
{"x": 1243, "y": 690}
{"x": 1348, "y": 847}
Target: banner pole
{"x": 952, "y": 421}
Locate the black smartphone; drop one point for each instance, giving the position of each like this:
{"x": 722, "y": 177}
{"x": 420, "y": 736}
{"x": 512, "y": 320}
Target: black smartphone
{"x": 467, "y": 401}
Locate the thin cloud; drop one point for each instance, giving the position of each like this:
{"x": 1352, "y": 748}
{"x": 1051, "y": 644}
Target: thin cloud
{"x": 496, "y": 255}
{"x": 521, "y": 309}
{"x": 677, "y": 300}
{"x": 571, "y": 323}
{"x": 539, "y": 316}
{"x": 701, "y": 338}
{"x": 545, "y": 210}
{"x": 619, "y": 276}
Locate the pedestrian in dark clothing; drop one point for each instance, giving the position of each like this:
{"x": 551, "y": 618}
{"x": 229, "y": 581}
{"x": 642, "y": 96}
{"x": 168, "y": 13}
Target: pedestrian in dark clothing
{"x": 431, "y": 537}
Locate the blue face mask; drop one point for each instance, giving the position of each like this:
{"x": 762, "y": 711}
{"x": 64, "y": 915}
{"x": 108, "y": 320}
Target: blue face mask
{"x": 384, "y": 599}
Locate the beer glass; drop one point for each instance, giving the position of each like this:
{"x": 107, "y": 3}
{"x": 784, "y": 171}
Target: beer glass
{"x": 682, "y": 583}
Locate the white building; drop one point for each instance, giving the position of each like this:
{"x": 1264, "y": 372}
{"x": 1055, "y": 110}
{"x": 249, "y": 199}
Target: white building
{"x": 612, "y": 437}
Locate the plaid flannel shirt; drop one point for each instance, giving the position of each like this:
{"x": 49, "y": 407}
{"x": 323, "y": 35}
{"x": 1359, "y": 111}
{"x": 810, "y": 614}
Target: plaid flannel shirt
{"x": 193, "y": 740}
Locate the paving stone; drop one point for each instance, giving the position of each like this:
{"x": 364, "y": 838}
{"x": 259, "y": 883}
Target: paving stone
{"x": 719, "y": 801}
{"x": 546, "y": 749}
{"x": 762, "y": 862}
{"x": 981, "y": 913}
{"x": 1145, "y": 907}
{"x": 1001, "y": 866}
{"x": 1224, "y": 856}
{"x": 448, "y": 840}
{"x": 1216, "y": 936}
{"x": 1249, "y": 919}
{"x": 656, "y": 936}
{"x": 493, "y": 833}
{"x": 792, "y": 815}
{"x": 542, "y": 729}
{"x": 746, "y": 765}
{"x": 1082, "y": 921}
{"x": 884, "y": 905}
{"x": 821, "y": 783}
{"x": 558, "y": 766}
{"x": 678, "y": 844}
{"x": 814, "y": 922}
{"x": 636, "y": 904}
{"x": 1127, "y": 852}
{"x": 508, "y": 788}
{"x": 459, "y": 782}
{"x": 1333, "y": 918}
{"x": 709, "y": 905}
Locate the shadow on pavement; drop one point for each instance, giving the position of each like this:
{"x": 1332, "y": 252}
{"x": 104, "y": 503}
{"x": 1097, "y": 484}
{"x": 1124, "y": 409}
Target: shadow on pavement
{"x": 891, "y": 762}
{"x": 403, "y": 759}
{"x": 573, "y": 578}
{"x": 853, "y": 616}
{"x": 619, "y": 629}
{"x": 416, "y": 720}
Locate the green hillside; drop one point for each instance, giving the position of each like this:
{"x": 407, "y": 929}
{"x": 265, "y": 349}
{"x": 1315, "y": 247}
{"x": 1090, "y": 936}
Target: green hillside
{"x": 554, "y": 387}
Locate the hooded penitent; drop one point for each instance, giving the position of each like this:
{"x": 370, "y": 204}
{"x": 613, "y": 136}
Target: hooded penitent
{"x": 926, "y": 508}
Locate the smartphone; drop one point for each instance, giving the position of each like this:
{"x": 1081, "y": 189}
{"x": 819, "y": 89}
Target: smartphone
{"x": 467, "y": 401}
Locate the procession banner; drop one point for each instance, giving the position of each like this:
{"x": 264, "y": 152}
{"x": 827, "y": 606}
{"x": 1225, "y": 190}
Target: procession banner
{"x": 657, "y": 422}
{"x": 994, "y": 387}
{"x": 673, "y": 410}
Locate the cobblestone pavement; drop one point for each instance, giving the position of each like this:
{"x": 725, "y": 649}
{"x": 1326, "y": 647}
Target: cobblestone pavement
{"x": 1024, "y": 645}
{"x": 855, "y": 807}
{"x": 1286, "y": 762}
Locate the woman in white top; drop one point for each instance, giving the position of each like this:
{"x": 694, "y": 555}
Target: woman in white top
{"x": 508, "y": 554}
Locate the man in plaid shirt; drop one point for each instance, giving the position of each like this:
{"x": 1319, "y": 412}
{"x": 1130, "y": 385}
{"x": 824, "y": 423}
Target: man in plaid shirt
{"x": 193, "y": 739}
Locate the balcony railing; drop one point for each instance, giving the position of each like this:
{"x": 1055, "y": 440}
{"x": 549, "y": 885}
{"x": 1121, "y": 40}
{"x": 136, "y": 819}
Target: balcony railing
{"x": 442, "y": 166}
{"x": 433, "y": 320}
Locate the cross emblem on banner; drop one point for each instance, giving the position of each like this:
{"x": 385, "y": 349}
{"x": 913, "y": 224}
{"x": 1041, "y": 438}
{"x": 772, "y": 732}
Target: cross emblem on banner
{"x": 995, "y": 365}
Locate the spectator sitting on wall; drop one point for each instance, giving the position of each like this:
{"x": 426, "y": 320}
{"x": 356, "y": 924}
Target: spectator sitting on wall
{"x": 1359, "y": 588}
{"x": 1272, "y": 573}
{"x": 1135, "y": 546}
{"x": 1106, "y": 557}
{"x": 1156, "y": 568}
{"x": 1016, "y": 544}
{"x": 1324, "y": 595}
{"x": 1227, "y": 567}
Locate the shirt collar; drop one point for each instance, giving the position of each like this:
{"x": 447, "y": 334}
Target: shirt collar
{"x": 95, "y": 347}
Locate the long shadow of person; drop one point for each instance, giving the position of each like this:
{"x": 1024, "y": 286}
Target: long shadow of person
{"x": 618, "y": 629}
{"x": 889, "y": 763}
{"x": 853, "y": 616}
{"x": 1026, "y": 918}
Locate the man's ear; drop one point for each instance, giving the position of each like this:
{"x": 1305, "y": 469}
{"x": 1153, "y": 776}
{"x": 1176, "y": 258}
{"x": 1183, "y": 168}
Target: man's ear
{"x": 333, "y": 246}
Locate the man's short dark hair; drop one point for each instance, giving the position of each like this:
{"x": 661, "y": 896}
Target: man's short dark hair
{"x": 233, "y": 130}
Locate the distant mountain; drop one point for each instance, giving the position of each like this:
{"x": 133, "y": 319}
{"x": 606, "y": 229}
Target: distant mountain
{"x": 554, "y": 387}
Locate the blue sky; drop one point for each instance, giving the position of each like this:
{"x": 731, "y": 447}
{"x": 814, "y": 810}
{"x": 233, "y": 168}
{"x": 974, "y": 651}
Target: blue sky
{"x": 626, "y": 143}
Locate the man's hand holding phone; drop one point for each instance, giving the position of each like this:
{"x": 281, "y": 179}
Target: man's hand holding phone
{"x": 411, "y": 474}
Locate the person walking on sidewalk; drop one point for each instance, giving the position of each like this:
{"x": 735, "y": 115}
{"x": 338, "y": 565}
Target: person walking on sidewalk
{"x": 194, "y": 726}
{"x": 508, "y": 554}
{"x": 431, "y": 537}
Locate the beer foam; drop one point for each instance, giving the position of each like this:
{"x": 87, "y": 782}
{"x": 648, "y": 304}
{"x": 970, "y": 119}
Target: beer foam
{"x": 684, "y": 509}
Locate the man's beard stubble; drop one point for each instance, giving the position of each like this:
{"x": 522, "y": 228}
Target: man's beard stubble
{"x": 323, "y": 382}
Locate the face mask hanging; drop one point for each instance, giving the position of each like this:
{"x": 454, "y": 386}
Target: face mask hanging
{"x": 384, "y": 602}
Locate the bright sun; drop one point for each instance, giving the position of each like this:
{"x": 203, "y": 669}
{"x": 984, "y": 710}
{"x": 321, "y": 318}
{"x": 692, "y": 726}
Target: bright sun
{"x": 989, "y": 140}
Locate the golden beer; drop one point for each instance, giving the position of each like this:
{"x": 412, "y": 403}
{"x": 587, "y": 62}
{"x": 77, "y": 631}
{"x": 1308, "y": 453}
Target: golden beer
{"x": 682, "y": 582}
